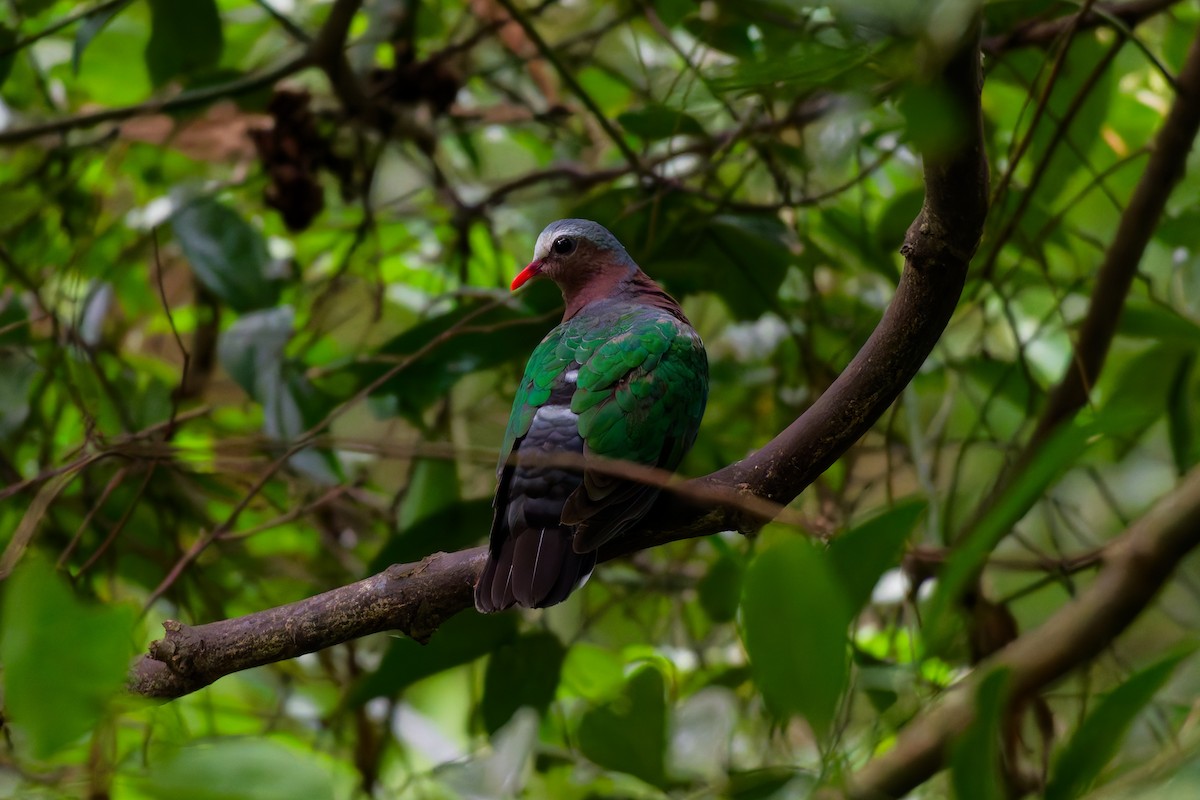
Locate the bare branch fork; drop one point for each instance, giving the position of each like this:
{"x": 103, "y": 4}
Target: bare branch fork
{"x": 416, "y": 598}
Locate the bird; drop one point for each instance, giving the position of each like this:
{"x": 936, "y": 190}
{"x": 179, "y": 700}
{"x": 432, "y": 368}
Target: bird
{"x": 623, "y": 376}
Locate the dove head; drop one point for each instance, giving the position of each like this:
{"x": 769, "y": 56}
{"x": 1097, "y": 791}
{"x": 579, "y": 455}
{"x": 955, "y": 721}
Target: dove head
{"x": 578, "y": 254}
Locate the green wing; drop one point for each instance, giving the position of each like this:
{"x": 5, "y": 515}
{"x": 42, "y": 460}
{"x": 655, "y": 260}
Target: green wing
{"x": 543, "y": 372}
{"x": 640, "y": 386}
{"x": 640, "y": 397}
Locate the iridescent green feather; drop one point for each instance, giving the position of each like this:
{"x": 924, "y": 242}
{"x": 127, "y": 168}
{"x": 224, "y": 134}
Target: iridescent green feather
{"x": 640, "y": 390}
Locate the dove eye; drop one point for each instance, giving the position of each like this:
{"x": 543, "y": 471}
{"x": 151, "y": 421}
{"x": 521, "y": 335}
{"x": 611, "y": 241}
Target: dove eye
{"x": 563, "y": 246}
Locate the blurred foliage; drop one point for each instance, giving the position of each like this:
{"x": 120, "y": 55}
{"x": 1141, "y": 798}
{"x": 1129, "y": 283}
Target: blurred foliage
{"x": 256, "y": 343}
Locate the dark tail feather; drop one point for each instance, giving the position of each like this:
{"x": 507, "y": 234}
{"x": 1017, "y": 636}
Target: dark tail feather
{"x": 535, "y": 569}
{"x": 492, "y": 593}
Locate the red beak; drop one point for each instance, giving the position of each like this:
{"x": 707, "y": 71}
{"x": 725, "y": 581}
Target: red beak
{"x": 532, "y": 271}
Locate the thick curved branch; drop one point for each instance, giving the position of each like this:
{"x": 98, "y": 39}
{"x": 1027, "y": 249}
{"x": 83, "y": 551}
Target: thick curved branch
{"x": 416, "y": 598}
{"x": 1136, "y": 565}
{"x": 937, "y": 250}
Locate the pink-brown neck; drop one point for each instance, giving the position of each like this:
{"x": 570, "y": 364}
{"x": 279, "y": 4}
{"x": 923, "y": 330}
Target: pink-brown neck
{"x": 605, "y": 280}
{"x": 618, "y": 281}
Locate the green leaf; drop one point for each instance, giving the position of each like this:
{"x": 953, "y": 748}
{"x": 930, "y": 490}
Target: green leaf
{"x": 1001, "y": 15}
{"x": 31, "y": 8}
{"x": 1144, "y": 321}
{"x": 742, "y": 258}
{"x": 239, "y": 768}
{"x": 451, "y": 528}
{"x": 1137, "y": 391}
{"x": 251, "y": 350}
{"x": 794, "y": 620}
{"x": 672, "y": 12}
{"x": 184, "y": 38}
{"x": 89, "y": 28}
{"x": 1180, "y": 431}
{"x": 1049, "y": 142}
{"x": 461, "y": 640}
{"x": 659, "y": 122}
{"x": 8, "y": 38}
{"x": 811, "y": 65}
{"x": 14, "y": 322}
{"x": 863, "y": 554}
{"x": 1063, "y": 449}
{"x": 770, "y": 783}
{"x": 975, "y": 756}
{"x": 721, "y": 589}
{"x": 47, "y": 635}
{"x": 433, "y": 487}
{"x": 1102, "y": 731}
{"x": 17, "y": 375}
{"x": 629, "y": 734}
{"x": 523, "y": 673}
{"x": 725, "y": 31}
{"x": 466, "y": 348}
{"x": 228, "y": 255}
{"x": 592, "y": 672}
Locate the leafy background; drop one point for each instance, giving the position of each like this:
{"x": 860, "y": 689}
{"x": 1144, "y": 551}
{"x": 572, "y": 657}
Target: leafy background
{"x": 255, "y": 342}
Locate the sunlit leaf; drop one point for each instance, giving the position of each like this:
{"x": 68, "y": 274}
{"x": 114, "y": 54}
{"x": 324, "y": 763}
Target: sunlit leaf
{"x": 47, "y": 634}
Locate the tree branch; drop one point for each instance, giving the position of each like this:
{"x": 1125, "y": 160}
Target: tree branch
{"x": 1168, "y": 160}
{"x": 416, "y": 598}
{"x": 179, "y": 102}
{"x": 326, "y": 51}
{"x": 1130, "y": 14}
{"x": 937, "y": 249}
{"x": 1135, "y": 567}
